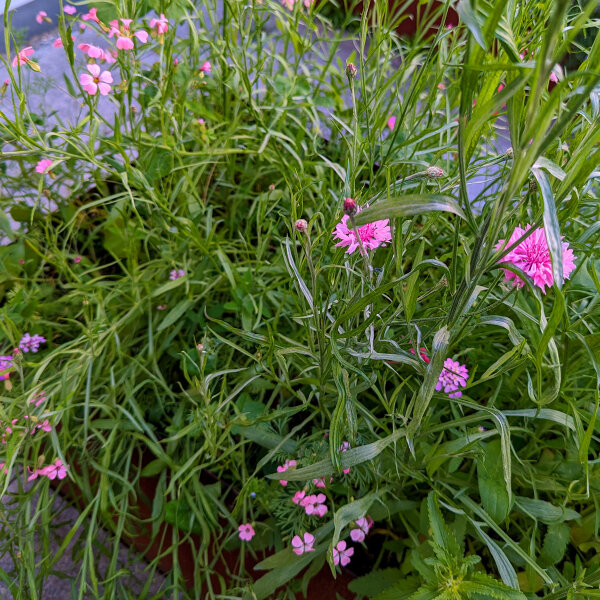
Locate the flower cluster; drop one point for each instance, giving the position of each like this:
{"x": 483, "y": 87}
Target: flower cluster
{"x": 453, "y": 376}
{"x": 176, "y": 274}
{"x": 30, "y": 343}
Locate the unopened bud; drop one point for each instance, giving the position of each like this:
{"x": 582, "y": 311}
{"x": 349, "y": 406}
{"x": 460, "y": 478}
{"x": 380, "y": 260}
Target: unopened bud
{"x": 301, "y": 225}
{"x": 350, "y": 207}
{"x": 351, "y": 71}
{"x": 509, "y": 152}
{"x": 435, "y": 172}
{"x": 272, "y": 187}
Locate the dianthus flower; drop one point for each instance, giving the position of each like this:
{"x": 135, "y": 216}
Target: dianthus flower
{"x": 42, "y": 16}
{"x": 342, "y": 554}
{"x": 22, "y": 56}
{"x": 6, "y": 362}
{"x": 91, "y": 16}
{"x": 30, "y": 343}
{"x": 288, "y": 464}
{"x": 453, "y": 376}
{"x": 315, "y": 505}
{"x": 96, "y": 52}
{"x": 43, "y": 165}
{"x": 298, "y": 496}
{"x": 161, "y": 24}
{"x": 391, "y": 122}
{"x": 176, "y": 274}
{"x": 372, "y": 235}
{"x": 70, "y": 10}
{"x": 246, "y": 532}
{"x": 533, "y": 257}
{"x": 96, "y": 81}
{"x": 320, "y": 481}
{"x": 56, "y": 470}
{"x": 362, "y": 529}
{"x": 124, "y": 34}
{"x": 303, "y": 544}
{"x": 206, "y": 67}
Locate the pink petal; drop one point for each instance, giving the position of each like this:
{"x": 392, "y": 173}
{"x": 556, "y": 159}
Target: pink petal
{"x": 94, "y": 70}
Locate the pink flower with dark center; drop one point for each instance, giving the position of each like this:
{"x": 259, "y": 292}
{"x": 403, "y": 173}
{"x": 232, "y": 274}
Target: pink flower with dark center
{"x": 288, "y": 464}
{"x": 161, "y": 24}
{"x": 246, "y": 532}
{"x": 533, "y": 257}
{"x": 391, "y": 123}
{"x": 43, "y": 165}
{"x": 206, "y": 67}
{"x": 303, "y": 544}
{"x": 22, "y": 56}
{"x": 42, "y": 16}
{"x": 176, "y": 274}
{"x": 298, "y": 496}
{"x": 91, "y": 16}
{"x": 453, "y": 376}
{"x": 315, "y": 505}
{"x": 372, "y": 235}
{"x": 362, "y": 529}
{"x": 57, "y": 470}
{"x": 96, "y": 81}
{"x": 70, "y": 10}
{"x": 6, "y": 363}
{"x": 30, "y": 343}
{"x": 342, "y": 554}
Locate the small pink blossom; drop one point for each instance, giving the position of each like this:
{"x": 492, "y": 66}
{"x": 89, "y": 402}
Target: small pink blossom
{"x": 22, "y": 56}
{"x": 58, "y": 43}
{"x": 288, "y": 464}
{"x": 303, "y": 544}
{"x": 77, "y": 259}
{"x": 34, "y": 474}
{"x": 533, "y": 257}
{"x": 453, "y": 376}
{"x": 553, "y": 78}
{"x": 391, "y": 123}
{"x": 161, "y": 24}
{"x": 3, "y": 468}
{"x": 161, "y": 307}
{"x": 6, "y": 363}
{"x": 315, "y": 505}
{"x": 42, "y": 16}
{"x": 423, "y": 354}
{"x": 341, "y": 554}
{"x": 176, "y": 274}
{"x": 298, "y": 496}
{"x": 441, "y": 86}
{"x": 372, "y": 235}
{"x": 125, "y": 35}
{"x": 96, "y": 52}
{"x": 38, "y": 398}
{"x": 56, "y": 470}
{"x": 320, "y": 481}
{"x": 206, "y": 67}
{"x": 44, "y": 426}
{"x": 91, "y": 16}
{"x": 362, "y": 529}
{"x": 96, "y": 81}
{"x": 344, "y": 447}
{"x": 70, "y": 10}
{"x": 43, "y": 165}
{"x": 246, "y": 532}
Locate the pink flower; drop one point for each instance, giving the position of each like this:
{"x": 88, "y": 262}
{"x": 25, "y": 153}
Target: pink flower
{"x": 30, "y": 343}
{"x": 45, "y": 426}
{"x": 70, "y": 10}
{"x": 303, "y": 544}
{"x": 206, "y": 67}
{"x": 246, "y": 532}
{"x": 96, "y": 81}
{"x": 533, "y": 257}
{"x": 553, "y": 78}
{"x": 42, "y": 16}
{"x": 58, "y": 43}
{"x": 38, "y": 398}
{"x": 344, "y": 447}
{"x": 372, "y": 235}
{"x": 22, "y": 55}
{"x": 288, "y": 464}
{"x": 34, "y": 474}
{"x": 161, "y": 307}
{"x": 6, "y": 363}
{"x": 362, "y": 529}
{"x": 391, "y": 123}
{"x": 3, "y": 468}
{"x": 77, "y": 259}
{"x": 422, "y": 354}
{"x": 56, "y": 470}
{"x": 298, "y": 496}
{"x": 161, "y": 25}
{"x": 124, "y": 34}
{"x": 453, "y": 376}
{"x": 95, "y": 52}
{"x": 176, "y": 274}
{"x": 91, "y": 16}
{"x": 315, "y": 505}
{"x": 441, "y": 86}
{"x": 341, "y": 554}
{"x": 43, "y": 165}
{"x": 320, "y": 481}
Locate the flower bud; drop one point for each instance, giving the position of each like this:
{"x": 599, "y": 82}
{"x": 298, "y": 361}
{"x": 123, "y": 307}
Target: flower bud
{"x": 351, "y": 71}
{"x": 435, "y": 172}
{"x": 301, "y": 225}
{"x": 350, "y": 207}
{"x": 509, "y": 152}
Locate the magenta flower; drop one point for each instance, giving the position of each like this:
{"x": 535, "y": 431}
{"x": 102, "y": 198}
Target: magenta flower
{"x": 38, "y": 398}
{"x": 453, "y": 376}
{"x": 288, "y": 464}
{"x": 57, "y": 470}
{"x": 372, "y": 235}
{"x": 77, "y": 259}
{"x": 43, "y": 165}
{"x": 206, "y": 67}
{"x": 176, "y": 274}
{"x": 161, "y": 24}
{"x": 533, "y": 257}
{"x": 22, "y": 56}
{"x": 298, "y": 496}
{"x": 303, "y": 544}
{"x": 42, "y": 16}
{"x": 70, "y": 10}
{"x": 6, "y": 363}
{"x": 246, "y": 532}
{"x": 30, "y": 343}
{"x": 341, "y": 554}
{"x": 315, "y": 505}
{"x": 391, "y": 123}
{"x": 91, "y": 16}
{"x": 44, "y": 426}
{"x": 320, "y": 481}
{"x": 125, "y": 35}
{"x": 362, "y": 529}
{"x": 96, "y": 81}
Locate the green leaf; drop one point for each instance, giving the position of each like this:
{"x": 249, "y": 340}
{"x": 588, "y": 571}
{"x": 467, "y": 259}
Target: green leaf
{"x": 376, "y": 582}
{"x": 490, "y": 478}
{"x": 175, "y": 314}
{"x": 470, "y": 18}
{"x": 555, "y": 543}
{"x": 154, "y": 467}
{"x": 352, "y": 512}
{"x": 544, "y": 511}
{"x": 440, "y": 532}
{"x": 407, "y": 206}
